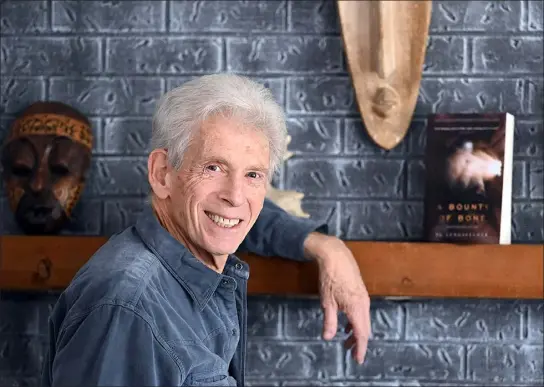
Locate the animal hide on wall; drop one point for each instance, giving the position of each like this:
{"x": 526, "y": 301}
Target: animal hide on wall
{"x": 288, "y": 200}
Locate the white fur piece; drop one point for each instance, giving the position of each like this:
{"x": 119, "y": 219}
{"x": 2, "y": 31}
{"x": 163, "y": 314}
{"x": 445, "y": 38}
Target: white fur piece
{"x": 289, "y": 201}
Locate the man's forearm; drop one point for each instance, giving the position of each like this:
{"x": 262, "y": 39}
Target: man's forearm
{"x": 318, "y": 245}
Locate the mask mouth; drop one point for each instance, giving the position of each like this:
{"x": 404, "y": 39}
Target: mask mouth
{"x": 40, "y": 218}
{"x": 37, "y": 209}
{"x": 40, "y": 210}
{"x": 38, "y": 213}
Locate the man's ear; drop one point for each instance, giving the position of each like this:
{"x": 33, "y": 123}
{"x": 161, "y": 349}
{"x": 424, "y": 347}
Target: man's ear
{"x": 157, "y": 173}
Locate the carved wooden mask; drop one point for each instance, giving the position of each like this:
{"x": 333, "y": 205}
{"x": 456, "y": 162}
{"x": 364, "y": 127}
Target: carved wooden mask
{"x": 45, "y": 159}
{"x": 385, "y": 43}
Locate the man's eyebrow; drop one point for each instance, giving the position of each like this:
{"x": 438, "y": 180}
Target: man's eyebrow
{"x": 258, "y": 168}
{"x": 214, "y": 159}
{"x": 220, "y": 160}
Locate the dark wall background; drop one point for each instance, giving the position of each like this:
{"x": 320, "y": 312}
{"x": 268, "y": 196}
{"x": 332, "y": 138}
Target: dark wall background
{"x": 113, "y": 59}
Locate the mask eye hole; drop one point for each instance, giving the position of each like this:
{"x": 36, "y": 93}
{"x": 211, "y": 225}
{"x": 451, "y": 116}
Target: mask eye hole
{"x": 21, "y": 170}
{"x": 59, "y": 170}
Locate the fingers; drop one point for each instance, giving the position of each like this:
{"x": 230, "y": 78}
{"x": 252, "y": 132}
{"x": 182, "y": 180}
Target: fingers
{"x": 360, "y": 325}
{"x": 330, "y": 321}
{"x": 349, "y": 342}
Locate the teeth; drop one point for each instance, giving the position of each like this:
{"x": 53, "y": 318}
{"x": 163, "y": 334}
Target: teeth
{"x": 223, "y": 222}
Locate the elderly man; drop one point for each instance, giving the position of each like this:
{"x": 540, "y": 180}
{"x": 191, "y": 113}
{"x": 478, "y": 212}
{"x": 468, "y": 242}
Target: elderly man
{"x": 164, "y": 301}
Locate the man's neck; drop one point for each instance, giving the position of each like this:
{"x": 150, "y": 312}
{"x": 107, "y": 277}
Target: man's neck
{"x": 216, "y": 263}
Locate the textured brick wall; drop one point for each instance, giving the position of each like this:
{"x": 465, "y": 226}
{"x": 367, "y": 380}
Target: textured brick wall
{"x": 113, "y": 59}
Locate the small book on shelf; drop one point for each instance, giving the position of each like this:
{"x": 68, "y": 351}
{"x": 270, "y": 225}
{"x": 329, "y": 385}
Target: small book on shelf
{"x": 468, "y": 179}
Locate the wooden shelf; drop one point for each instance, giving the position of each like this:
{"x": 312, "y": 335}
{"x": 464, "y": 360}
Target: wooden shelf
{"x": 388, "y": 269}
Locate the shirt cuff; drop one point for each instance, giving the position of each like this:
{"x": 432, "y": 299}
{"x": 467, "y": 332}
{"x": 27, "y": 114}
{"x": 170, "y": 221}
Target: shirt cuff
{"x": 294, "y": 233}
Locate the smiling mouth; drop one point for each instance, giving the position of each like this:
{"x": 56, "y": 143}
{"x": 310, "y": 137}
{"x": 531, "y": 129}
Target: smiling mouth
{"x": 221, "y": 221}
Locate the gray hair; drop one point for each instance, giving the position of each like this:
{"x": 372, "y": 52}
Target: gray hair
{"x": 181, "y": 111}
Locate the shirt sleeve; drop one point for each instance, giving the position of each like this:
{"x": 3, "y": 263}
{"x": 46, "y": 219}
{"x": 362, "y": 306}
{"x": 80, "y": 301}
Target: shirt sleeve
{"x": 278, "y": 233}
{"x": 113, "y": 346}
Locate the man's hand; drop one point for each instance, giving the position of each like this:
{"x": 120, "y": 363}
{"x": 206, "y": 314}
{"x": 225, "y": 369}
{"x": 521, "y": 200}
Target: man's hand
{"x": 341, "y": 289}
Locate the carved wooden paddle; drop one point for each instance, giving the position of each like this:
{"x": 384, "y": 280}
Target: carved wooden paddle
{"x": 385, "y": 44}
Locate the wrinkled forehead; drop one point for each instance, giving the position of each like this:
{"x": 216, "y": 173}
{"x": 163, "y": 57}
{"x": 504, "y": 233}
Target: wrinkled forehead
{"x": 230, "y": 135}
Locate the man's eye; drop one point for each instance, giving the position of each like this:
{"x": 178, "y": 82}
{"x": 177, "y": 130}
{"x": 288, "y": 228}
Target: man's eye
{"x": 253, "y": 175}
{"x": 213, "y": 168}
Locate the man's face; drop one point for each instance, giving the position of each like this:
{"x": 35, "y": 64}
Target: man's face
{"x": 44, "y": 176}
{"x": 219, "y": 191}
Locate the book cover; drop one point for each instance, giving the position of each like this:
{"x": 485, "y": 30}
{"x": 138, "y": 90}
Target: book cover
{"x": 468, "y": 185}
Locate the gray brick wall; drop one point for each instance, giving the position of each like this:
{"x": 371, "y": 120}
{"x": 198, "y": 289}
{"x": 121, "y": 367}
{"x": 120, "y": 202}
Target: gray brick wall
{"x": 113, "y": 59}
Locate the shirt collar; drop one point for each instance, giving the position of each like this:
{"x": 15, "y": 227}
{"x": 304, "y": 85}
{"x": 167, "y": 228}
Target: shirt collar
{"x": 199, "y": 280}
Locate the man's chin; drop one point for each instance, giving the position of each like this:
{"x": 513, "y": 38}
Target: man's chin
{"x": 222, "y": 248}
{"x": 222, "y": 243}
{"x": 220, "y": 251}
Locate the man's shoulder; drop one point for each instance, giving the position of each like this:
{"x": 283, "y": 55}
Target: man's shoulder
{"x": 125, "y": 274}
{"x": 118, "y": 273}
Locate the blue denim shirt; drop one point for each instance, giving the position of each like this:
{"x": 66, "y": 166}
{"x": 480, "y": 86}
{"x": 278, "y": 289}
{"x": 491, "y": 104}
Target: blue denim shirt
{"x": 144, "y": 311}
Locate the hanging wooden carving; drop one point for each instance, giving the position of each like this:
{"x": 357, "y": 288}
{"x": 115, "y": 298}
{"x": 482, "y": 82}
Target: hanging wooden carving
{"x": 385, "y": 44}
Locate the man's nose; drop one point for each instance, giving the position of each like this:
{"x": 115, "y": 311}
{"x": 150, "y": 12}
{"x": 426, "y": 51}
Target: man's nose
{"x": 233, "y": 192}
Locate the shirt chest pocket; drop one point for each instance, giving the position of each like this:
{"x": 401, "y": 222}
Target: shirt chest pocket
{"x": 222, "y": 342}
{"x": 209, "y": 370}
{"x": 211, "y": 379}
{"x": 206, "y": 368}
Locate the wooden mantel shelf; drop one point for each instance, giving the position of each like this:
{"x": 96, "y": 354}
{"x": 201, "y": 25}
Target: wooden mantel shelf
{"x": 389, "y": 269}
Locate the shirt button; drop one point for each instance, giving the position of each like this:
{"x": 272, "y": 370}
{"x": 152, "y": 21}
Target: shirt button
{"x": 225, "y": 282}
{"x": 234, "y": 332}
{"x": 238, "y": 266}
